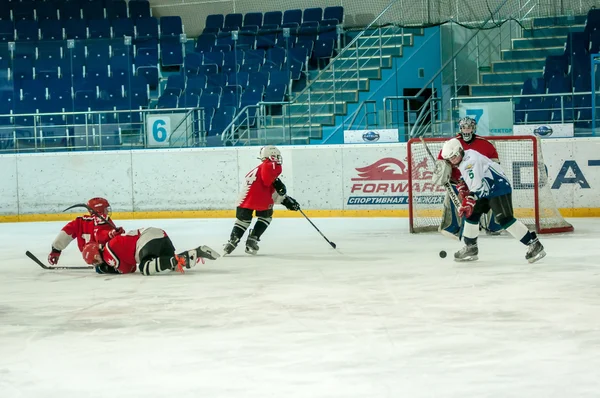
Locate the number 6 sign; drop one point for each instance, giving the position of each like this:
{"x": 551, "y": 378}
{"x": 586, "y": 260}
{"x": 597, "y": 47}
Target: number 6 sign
{"x": 158, "y": 130}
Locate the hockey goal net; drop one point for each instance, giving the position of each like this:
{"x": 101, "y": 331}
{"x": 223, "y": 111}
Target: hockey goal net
{"x": 522, "y": 160}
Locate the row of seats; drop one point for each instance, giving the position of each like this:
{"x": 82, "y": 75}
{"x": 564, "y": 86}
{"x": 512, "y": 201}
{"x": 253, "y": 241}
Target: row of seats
{"x": 59, "y": 138}
{"x": 216, "y": 23}
{"x": 79, "y": 29}
{"x": 71, "y": 9}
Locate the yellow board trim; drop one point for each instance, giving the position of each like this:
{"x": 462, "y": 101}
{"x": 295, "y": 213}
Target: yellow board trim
{"x": 582, "y": 212}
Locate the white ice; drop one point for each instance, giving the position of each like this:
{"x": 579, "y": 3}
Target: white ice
{"x": 382, "y": 317}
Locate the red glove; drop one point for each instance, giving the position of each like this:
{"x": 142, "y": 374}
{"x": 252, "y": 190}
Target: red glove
{"x": 53, "y": 256}
{"x": 463, "y": 190}
{"x": 466, "y": 209}
{"x": 116, "y": 232}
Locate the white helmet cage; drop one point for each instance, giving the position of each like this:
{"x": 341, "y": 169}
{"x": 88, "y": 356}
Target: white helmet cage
{"x": 271, "y": 153}
{"x": 467, "y": 122}
{"x": 451, "y": 148}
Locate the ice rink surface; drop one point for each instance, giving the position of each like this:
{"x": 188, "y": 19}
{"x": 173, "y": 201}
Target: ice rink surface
{"x": 383, "y": 316}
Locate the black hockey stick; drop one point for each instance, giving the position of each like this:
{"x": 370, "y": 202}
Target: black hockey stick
{"x": 44, "y": 266}
{"x": 311, "y": 223}
{"x": 94, "y": 212}
{"x": 453, "y": 197}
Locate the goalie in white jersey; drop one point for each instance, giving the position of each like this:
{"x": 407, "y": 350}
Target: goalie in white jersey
{"x": 488, "y": 189}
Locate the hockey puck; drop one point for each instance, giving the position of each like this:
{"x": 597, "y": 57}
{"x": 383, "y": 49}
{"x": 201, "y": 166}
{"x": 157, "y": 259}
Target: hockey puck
{"x": 443, "y": 254}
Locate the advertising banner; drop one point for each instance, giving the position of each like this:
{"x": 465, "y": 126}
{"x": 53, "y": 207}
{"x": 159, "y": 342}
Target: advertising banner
{"x": 545, "y": 130}
{"x": 370, "y": 136}
{"x": 493, "y": 118}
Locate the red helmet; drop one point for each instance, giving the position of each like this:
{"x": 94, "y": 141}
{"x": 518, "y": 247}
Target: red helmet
{"x": 101, "y": 205}
{"x": 91, "y": 253}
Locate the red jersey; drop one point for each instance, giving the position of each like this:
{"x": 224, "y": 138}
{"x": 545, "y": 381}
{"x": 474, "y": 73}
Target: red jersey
{"x": 120, "y": 252}
{"x": 82, "y": 228}
{"x": 257, "y": 193}
{"x": 477, "y": 144}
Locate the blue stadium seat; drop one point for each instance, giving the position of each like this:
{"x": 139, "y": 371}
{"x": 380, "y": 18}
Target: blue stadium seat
{"x": 216, "y": 58}
{"x": 250, "y": 67}
{"x": 5, "y": 14}
{"x": 224, "y": 42}
{"x": 323, "y": 51}
{"x": 292, "y": 16}
{"x": 54, "y": 106}
{"x": 266, "y": 37}
{"x": 25, "y": 50}
{"x": 75, "y": 29}
{"x": 146, "y": 56}
{"x": 150, "y": 74}
{"x": 26, "y": 30}
{"x": 217, "y": 79}
{"x": 559, "y": 84}
{"x": 122, "y": 27}
{"x": 328, "y": 29}
{"x": 208, "y": 69}
{"x": 167, "y": 101}
{"x": 283, "y": 77}
{"x": 138, "y": 91}
{"x": 99, "y": 29}
{"x": 275, "y": 56}
{"x": 214, "y": 23}
{"x": 22, "y": 11}
{"x": 223, "y": 117}
{"x": 537, "y": 109}
{"x": 230, "y": 69}
{"x": 192, "y": 62}
{"x": 334, "y": 12}
{"x": 93, "y": 10}
{"x": 232, "y": 22}
{"x": 46, "y": 11}
{"x": 68, "y": 11}
{"x": 233, "y": 58}
{"x": 116, "y": 9}
{"x": 238, "y": 79}
{"x": 273, "y": 18}
{"x": 287, "y": 42}
{"x": 189, "y": 100}
{"x": 258, "y": 79}
{"x": 146, "y": 28}
{"x": 212, "y": 89}
{"x": 232, "y": 88}
{"x": 51, "y": 30}
{"x": 118, "y": 49}
{"x": 171, "y": 52}
{"x": 51, "y": 50}
{"x": 54, "y": 137}
{"x": 229, "y": 99}
{"x": 209, "y": 100}
{"x": 275, "y": 93}
{"x": 253, "y": 19}
{"x": 170, "y": 27}
{"x": 205, "y": 42}
{"x": 46, "y": 69}
{"x": 195, "y": 84}
{"x": 247, "y": 38}
{"x": 139, "y": 9}
{"x": 295, "y": 61}
{"x": 175, "y": 85}
{"x": 23, "y": 68}
{"x": 312, "y": 15}
{"x": 7, "y": 31}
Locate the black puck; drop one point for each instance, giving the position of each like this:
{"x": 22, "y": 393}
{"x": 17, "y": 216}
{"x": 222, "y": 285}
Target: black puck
{"x": 443, "y": 254}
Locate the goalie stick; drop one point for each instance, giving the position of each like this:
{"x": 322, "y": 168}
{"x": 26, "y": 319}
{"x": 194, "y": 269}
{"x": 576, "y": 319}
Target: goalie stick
{"x": 311, "y": 223}
{"x": 453, "y": 197}
{"x": 44, "y": 266}
{"x": 94, "y": 212}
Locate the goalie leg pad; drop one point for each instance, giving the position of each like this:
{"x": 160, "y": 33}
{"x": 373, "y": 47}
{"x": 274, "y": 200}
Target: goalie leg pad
{"x": 451, "y": 224}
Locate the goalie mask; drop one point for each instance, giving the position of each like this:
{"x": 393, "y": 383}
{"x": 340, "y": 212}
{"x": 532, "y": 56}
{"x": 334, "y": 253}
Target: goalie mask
{"x": 468, "y": 127}
{"x": 451, "y": 149}
{"x": 91, "y": 254}
{"x": 271, "y": 153}
{"x": 101, "y": 206}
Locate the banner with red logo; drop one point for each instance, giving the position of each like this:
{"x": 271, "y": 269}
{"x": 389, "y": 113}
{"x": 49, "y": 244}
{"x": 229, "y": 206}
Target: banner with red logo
{"x": 377, "y": 178}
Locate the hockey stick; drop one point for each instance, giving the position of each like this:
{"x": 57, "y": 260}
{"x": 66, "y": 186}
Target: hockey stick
{"x": 94, "y": 212}
{"x": 311, "y": 223}
{"x": 44, "y": 266}
{"x": 453, "y": 197}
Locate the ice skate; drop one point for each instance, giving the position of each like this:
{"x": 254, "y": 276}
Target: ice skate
{"x": 535, "y": 251}
{"x": 467, "y": 253}
{"x": 252, "y": 244}
{"x": 230, "y": 245}
{"x": 197, "y": 255}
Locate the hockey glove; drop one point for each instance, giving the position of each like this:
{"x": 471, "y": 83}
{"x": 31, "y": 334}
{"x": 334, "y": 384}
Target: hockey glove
{"x": 466, "y": 209}
{"x": 279, "y": 187}
{"x": 116, "y": 232}
{"x": 463, "y": 189}
{"x": 54, "y": 256}
{"x": 290, "y": 203}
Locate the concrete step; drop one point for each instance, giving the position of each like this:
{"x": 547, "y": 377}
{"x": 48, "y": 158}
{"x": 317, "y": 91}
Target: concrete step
{"x": 552, "y": 31}
{"x": 531, "y": 53}
{"x": 338, "y": 108}
{"x": 495, "y": 89}
{"x": 340, "y": 84}
{"x": 509, "y": 66}
{"x": 349, "y": 63}
{"x": 386, "y": 40}
{"x": 370, "y": 73}
{"x": 508, "y": 77}
{"x": 395, "y": 51}
{"x": 544, "y": 42}
{"x": 324, "y": 96}
{"x": 568, "y": 20}
{"x": 301, "y": 120}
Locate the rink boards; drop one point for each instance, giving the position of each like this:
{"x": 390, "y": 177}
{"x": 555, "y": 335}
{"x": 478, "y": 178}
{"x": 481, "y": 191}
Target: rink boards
{"x": 336, "y": 180}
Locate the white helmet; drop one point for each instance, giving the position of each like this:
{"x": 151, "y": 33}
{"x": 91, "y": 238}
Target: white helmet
{"x": 452, "y": 148}
{"x": 271, "y": 153}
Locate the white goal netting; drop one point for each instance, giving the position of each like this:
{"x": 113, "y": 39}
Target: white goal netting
{"x": 522, "y": 160}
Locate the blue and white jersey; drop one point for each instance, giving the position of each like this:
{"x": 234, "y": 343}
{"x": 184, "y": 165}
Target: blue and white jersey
{"x": 484, "y": 177}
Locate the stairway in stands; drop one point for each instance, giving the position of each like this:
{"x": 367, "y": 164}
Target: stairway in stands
{"x": 527, "y": 55}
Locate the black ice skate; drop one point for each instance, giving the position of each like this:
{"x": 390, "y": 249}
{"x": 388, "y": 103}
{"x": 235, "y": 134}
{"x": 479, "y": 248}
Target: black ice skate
{"x": 252, "y": 244}
{"x": 467, "y": 253}
{"x": 230, "y": 245}
{"x": 195, "y": 256}
{"x": 535, "y": 251}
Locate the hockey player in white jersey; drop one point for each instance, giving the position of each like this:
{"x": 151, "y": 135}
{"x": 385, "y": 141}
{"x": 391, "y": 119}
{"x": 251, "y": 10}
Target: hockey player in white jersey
{"x": 488, "y": 189}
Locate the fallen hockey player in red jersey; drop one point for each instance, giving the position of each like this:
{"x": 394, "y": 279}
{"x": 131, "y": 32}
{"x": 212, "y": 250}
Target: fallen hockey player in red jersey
{"x": 149, "y": 249}
{"x": 262, "y": 189}
{"x": 85, "y": 229}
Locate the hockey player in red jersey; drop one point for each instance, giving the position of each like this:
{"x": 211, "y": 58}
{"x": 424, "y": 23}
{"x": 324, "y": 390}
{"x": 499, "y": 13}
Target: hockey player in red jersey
{"x": 85, "y": 229}
{"x": 150, "y": 248}
{"x": 262, "y": 188}
{"x": 468, "y": 138}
